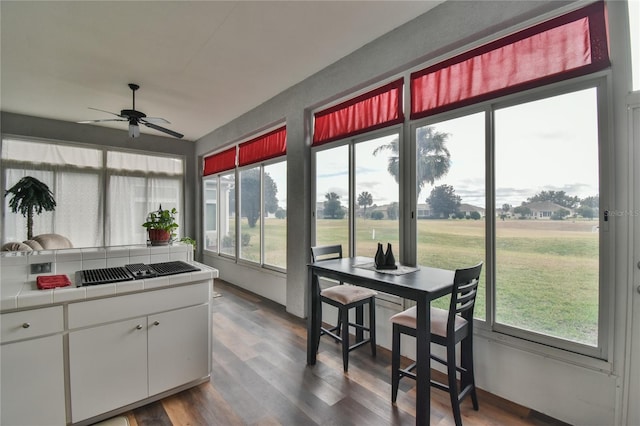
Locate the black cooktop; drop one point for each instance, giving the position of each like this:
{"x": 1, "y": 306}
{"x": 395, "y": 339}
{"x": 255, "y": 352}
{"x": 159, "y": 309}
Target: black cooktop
{"x": 134, "y": 271}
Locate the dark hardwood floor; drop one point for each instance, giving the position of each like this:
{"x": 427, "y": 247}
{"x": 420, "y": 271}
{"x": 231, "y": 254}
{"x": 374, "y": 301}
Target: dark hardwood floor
{"x": 260, "y": 377}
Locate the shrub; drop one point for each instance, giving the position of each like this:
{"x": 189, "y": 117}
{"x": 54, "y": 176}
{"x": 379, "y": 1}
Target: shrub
{"x": 377, "y": 215}
{"x": 245, "y": 239}
{"x": 228, "y": 241}
{"x": 475, "y": 215}
{"x": 560, "y": 214}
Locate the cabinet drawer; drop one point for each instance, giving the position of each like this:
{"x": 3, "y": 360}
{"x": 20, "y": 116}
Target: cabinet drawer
{"x": 116, "y": 308}
{"x": 31, "y": 323}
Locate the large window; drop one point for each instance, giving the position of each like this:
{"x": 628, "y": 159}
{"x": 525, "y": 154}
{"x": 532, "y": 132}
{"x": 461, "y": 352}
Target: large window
{"x": 332, "y": 197}
{"x": 450, "y": 194}
{"x": 74, "y": 175}
{"x": 547, "y": 195}
{"x": 91, "y": 210}
{"x": 250, "y": 213}
{"x": 248, "y": 219}
{"x": 227, "y": 216}
{"x": 211, "y": 214}
{"x": 373, "y": 199}
{"x": 274, "y": 189}
{"x": 376, "y": 196}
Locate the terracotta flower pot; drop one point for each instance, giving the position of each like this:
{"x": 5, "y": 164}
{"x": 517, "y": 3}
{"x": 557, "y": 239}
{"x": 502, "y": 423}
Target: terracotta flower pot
{"x": 159, "y": 237}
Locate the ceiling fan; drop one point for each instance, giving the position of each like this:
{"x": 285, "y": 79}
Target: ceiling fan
{"x": 135, "y": 117}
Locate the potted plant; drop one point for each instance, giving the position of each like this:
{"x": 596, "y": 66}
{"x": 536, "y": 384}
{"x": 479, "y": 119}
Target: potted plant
{"x": 30, "y": 196}
{"x": 160, "y": 225}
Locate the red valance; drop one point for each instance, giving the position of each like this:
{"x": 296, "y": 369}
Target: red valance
{"x": 265, "y": 147}
{"x": 373, "y": 110}
{"x": 220, "y": 162}
{"x": 565, "y": 47}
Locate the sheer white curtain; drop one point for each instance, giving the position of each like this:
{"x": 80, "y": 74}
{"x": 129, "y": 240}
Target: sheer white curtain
{"x": 78, "y": 214}
{"x": 131, "y": 198}
{"x": 127, "y": 210}
{"x": 131, "y": 185}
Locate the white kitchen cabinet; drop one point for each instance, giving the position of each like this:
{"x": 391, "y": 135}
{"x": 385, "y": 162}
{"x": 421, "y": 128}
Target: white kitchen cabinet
{"x": 32, "y": 370}
{"x": 126, "y": 360}
{"x": 178, "y": 347}
{"x": 108, "y": 367}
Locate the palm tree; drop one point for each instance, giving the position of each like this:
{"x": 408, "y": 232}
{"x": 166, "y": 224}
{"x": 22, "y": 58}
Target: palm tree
{"x": 365, "y": 199}
{"x": 30, "y": 196}
{"x": 433, "y": 157}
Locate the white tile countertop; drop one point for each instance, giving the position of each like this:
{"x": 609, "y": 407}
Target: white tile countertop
{"x": 27, "y": 295}
{"x": 18, "y": 289}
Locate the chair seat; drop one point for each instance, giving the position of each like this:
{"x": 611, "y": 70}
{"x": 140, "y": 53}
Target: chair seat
{"x": 439, "y": 317}
{"x": 347, "y": 294}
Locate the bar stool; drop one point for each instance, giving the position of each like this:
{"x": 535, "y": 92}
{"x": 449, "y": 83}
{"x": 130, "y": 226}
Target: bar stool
{"x": 448, "y": 328}
{"x": 345, "y": 297}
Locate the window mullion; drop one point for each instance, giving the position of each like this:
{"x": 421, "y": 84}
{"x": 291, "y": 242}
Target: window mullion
{"x": 352, "y": 198}
{"x": 490, "y": 217}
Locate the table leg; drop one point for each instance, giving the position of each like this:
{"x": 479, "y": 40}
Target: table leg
{"x": 313, "y": 320}
{"x": 423, "y": 363}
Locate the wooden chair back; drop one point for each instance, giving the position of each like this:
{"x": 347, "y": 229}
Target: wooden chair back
{"x": 326, "y": 252}
{"x": 463, "y": 296}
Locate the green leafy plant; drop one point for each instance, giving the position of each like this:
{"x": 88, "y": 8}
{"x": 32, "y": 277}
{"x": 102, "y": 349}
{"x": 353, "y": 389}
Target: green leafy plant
{"x": 30, "y": 196}
{"x": 188, "y": 240}
{"x": 164, "y": 220}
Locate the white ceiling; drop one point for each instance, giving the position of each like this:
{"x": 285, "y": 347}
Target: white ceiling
{"x": 199, "y": 64}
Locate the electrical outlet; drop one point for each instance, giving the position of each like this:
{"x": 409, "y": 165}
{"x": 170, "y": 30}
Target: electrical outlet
{"x": 40, "y": 268}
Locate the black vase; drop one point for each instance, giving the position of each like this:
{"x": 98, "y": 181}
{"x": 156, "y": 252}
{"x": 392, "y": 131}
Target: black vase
{"x": 389, "y": 258}
{"x": 380, "y": 257}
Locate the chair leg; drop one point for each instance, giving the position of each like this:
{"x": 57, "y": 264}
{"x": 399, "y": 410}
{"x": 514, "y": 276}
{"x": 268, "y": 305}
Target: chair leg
{"x": 344, "y": 312}
{"x": 453, "y": 385}
{"x": 360, "y": 321}
{"x": 338, "y": 325}
{"x": 319, "y": 319}
{"x": 372, "y": 325}
{"x": 468, "y": 378}
{"x": 395, "y": 363}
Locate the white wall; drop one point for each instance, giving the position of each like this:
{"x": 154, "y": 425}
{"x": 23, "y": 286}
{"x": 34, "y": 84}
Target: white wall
{"x": 566, "y": 386}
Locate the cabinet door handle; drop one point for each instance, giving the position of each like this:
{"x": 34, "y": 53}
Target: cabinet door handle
{"x": 138, "y": 327}
{"x": 26, "y": 325}
{"x": 156, "y": 323}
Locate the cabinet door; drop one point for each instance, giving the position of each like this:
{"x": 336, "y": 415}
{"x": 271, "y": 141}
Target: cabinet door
{"x": 33, "y": 382}
{"x": 107, "y": 367}
{"x": 178, "y": 347}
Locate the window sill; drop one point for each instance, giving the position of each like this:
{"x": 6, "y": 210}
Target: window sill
{"x": 482, "y": 330}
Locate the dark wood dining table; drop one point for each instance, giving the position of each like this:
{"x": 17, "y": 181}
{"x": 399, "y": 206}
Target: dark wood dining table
{"x": 422, "y": 285}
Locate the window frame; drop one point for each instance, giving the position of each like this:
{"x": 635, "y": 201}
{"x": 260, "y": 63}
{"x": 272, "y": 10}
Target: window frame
{"x": 351, "y": 142}
{"x": 601, "y": 82}
{"x": 103, "y": 172}
{"x": 236, "y": 171}
{"x": 530, "y": 340}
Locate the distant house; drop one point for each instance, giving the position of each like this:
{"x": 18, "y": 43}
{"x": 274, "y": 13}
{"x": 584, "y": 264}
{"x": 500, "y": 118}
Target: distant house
{"x": 425, "y": 212}
{"x": 544, "y": 209}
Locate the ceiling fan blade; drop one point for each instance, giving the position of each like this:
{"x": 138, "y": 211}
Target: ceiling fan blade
{"x": 108, "y": 112}
{"x": 100, "y": 121}
{"x": 162, "y": 129}
{"x": 155, "y": 120}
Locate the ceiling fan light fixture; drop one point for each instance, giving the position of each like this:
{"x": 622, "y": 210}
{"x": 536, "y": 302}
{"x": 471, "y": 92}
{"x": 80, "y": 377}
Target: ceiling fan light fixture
{"x": 134, "y": 130}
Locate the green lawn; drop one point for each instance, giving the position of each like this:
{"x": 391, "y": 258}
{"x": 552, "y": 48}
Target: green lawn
{"x": 546, "y": 271}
